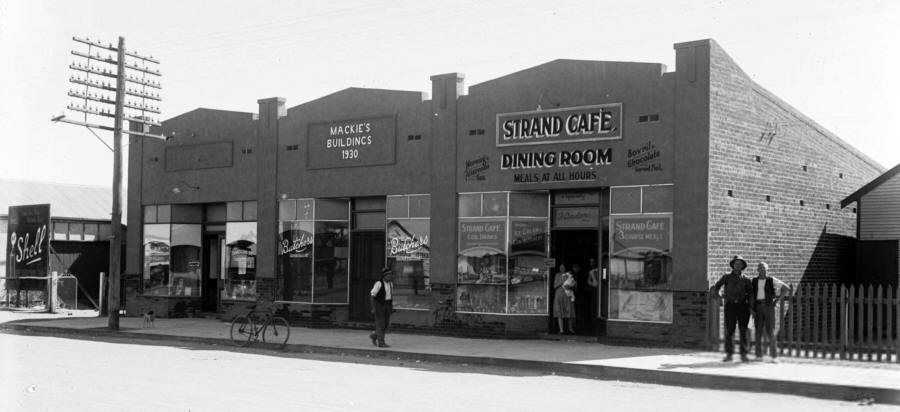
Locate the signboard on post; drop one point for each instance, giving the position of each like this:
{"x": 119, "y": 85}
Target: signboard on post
{"x": 28, "y": 250}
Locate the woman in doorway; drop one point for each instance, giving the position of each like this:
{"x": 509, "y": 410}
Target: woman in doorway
{"x": 564, "y": 299}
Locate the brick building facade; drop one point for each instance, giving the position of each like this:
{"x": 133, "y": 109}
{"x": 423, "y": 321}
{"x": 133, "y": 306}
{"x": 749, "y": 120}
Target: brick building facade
{"x": 654, "y": 177}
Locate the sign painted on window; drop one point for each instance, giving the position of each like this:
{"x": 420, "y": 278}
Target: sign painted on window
{"x": 571, "y": 124}
{"x": 407, "y": 239}
{"x": 28, "y": 250}
{"x": 576, "y": 217}
{"x": 641, "y": 235}
{"x": 349, "y": 143}
{"x": 482, "y": 236}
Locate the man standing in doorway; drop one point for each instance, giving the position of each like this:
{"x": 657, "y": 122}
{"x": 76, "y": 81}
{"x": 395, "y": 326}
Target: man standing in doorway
{"x": 767, "y": 290}
{"x": 382, "y": 306}
{"x": 737, "y": 306}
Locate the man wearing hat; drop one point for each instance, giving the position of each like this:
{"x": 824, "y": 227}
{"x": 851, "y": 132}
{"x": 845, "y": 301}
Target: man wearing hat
{"x": 382, "y": 295}
{"x": 738, "y": 289}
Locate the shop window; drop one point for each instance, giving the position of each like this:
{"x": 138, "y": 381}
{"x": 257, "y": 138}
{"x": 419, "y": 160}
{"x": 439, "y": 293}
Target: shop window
{"x": 313, "y": 250}
{"x": 625, "y": 200}
{"x": 409, "y": 256}
{"x": 640, "y": 267}
{"x": 216, "y": 212}
{"x": 163, "y": 214}
{"x": 500, "y": 260}
{"x": 240, "y": 241}
{"x": 494, "y": 204}
{"x": 657, "y": 199}
{"x": 185, "y": 260}
{"x": 470, "y": 205}
{"x": 234, "y": 211}
{"x": 249, "y": 212}
{"x": 528, "y": 204}
{"x": 150, "y": 214}
{"x": 60, "y": 231}
{"x": 187, "y": 213}
{"x": 397, "y": 206}
{"x": 330, "y": 267}
{"x": 368, "y": 221}
{"x": 332, "y": 209}
{"x": 295, "y": 254}
{"x": 156, "y": 245}
{"x": 287, "y": 210}
{"x": 420, "y": 206}
{"x": 528, "y": 242}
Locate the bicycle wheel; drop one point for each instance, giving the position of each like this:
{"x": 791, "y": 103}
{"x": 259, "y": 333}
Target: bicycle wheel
{"x": 242, "y": 331}
{"x": 277, "y": 331}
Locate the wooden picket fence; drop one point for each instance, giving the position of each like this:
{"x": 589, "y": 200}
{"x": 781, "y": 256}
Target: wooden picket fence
{"x": 827, "y": 321}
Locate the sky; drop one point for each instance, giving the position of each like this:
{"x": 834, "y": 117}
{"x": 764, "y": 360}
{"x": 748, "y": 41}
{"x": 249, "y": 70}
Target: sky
{"x": 835, "y": 61}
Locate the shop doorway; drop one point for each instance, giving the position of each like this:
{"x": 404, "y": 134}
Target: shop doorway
{"x": 366, "y": 260}
{"x": 210, "y": 290}
{"x": 576, "y": 247}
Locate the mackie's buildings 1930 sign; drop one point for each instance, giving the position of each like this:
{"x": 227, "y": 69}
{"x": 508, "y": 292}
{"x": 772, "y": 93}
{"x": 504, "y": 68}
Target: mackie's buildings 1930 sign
{"x": 356, "y": 142}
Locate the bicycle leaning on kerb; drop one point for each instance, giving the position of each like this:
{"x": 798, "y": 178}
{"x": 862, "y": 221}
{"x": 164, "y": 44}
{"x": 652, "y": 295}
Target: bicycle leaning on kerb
{"x": 258, "y": 324}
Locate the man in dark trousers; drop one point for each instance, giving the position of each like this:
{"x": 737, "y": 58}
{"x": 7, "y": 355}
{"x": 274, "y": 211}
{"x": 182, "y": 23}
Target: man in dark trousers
{"x": 737, "y": 306}
{"x": 382, "y": 295}
{"x": 767, "y": 290}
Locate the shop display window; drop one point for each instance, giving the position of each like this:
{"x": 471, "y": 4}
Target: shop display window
{"x": 295, "y": 254}
{"x": 501, "y": 260}
{"x": 528, "y": 273}
{"x": 240, "y": 243}
{"x": 409, "y": 256}
{"x": 330, "y": 267}
{"x": 156, "y": 280}
{"x": 313, "y": 250}
{"x": 185, "y": 260}
{"x": 640, "y": 263}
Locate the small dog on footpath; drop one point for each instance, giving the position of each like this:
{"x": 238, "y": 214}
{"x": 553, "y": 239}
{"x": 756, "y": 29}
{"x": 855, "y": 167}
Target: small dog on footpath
{"x": 149, "y": 318}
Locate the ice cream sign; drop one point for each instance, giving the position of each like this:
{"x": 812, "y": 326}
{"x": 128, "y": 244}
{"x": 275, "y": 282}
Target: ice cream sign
{"x": 573, "y": 124}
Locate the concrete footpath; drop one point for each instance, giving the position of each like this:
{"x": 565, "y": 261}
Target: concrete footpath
{"x": 820, "y": 378}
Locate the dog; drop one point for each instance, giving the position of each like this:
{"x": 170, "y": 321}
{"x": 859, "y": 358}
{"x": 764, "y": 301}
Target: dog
{"x": 149, "y": 317}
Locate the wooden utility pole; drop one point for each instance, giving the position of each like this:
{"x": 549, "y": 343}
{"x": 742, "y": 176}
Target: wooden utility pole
{"x": 96, "y": 91}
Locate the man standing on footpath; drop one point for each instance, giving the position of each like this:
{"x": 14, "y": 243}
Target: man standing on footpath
{"x": 765, "y": 298}
{"x": 737, "y": 306}
{"x": 382, "y": 306}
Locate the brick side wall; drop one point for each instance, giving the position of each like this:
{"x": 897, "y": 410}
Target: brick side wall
{"x": 812, "y": 242}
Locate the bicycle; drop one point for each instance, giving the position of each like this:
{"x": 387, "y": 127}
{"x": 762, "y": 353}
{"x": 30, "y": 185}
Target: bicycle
{"x": 248, "y": 328}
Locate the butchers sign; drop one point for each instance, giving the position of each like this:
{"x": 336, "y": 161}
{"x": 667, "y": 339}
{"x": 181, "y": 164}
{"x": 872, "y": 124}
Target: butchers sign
{"x": 28, "y": 251}
{"x": 571, "y": 124}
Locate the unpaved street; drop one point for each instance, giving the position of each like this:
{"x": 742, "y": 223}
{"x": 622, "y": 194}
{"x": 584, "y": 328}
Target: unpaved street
{"x": 78, "y": 374}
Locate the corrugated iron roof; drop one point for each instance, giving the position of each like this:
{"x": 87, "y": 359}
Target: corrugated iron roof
{"x": 66, "y": 200}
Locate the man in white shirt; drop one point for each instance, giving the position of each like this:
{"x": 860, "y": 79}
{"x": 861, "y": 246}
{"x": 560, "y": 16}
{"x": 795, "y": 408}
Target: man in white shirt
{"x": 382, "y": 306}
{"x": 767, "y": 291}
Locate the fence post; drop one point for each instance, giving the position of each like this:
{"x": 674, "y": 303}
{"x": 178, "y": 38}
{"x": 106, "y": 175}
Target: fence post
{"x": 52, "y": 289}
{"x": 816, "y": 340}
{"x": 780, "y": 333}
{"x": 102, "y": 300}
{"x": 792, "y": 310}
{"x": 845, "y": 319}
{"x": 879, "y": 322}
{"x": 834, "y": 300}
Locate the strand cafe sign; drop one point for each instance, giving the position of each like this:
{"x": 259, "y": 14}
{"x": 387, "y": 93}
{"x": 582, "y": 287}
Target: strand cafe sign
{"x": 28, "y": 252}
{"x": 566, "y": 125}
{"x": 350, "y": 143}
{"x": 641, "y": 235}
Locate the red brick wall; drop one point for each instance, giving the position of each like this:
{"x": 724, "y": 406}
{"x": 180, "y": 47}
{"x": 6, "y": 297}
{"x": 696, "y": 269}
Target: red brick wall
{"x": 810, "y": 242}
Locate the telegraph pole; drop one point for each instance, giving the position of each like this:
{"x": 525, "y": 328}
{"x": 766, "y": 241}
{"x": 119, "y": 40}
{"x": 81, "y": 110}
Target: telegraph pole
{"x": 96, "y": 91}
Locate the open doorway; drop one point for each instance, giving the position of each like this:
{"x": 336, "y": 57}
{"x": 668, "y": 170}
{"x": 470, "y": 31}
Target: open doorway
{"x": 575, "y": 248}
{"x": 213, "y": 246}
